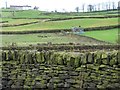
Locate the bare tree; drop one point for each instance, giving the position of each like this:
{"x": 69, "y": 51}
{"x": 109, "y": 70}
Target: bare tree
{"x": 94, "y": 8}
{"x": 113, "y": 5}
{"x": 109, "y": 4}
{"x": 106, "y": 6}
{"x": 6, "y": 4}
{"x": 103, "y": 6}
{"x": 118, "y": 6}
{"x": 90, "y": 8}
{"x": 36, "y": 8}
{"x": 98, "y": 6}
{"x": 77, "y": 9}
{"x": 83, "y": 7}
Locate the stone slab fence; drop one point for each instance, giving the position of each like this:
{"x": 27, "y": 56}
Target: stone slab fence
{"x": 49, "y": 70}
{"x": 51, "y": 57}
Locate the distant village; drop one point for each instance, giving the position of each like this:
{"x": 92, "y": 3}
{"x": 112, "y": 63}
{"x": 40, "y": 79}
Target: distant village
{"x": 24, "y": 7}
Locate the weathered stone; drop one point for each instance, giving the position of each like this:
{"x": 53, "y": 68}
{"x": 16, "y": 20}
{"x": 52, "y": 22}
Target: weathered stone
{"x": 112, "y": 62}
{"x": 102, "y": 67}
{"x": 90, "y": 58}
{"x": 66, "y": 85}
{"x": 57, "y": 59}
{"x": 77, "y": 61}
{"x": 4, "y": 56}
{"x": 83, "y": 59}
{"x": 62, "y": 76}
{"x": 50, "y": 86}
{"x": 60, "y": 85}
{"x": 98, "y": 58}
{"x": 73, "y": 73}
{"x": 100, "y": 86}
{"x": 90, "y": 66}
{"x": 72, "y": 81}
{"x": 77, "y": 86}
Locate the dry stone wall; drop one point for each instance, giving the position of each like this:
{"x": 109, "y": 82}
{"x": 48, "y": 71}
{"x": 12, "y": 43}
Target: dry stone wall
{"x": 58, "y": 70}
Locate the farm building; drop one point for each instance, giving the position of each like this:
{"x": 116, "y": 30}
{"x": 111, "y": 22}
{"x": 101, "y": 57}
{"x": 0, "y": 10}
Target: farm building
{"x": 25, "y": 7}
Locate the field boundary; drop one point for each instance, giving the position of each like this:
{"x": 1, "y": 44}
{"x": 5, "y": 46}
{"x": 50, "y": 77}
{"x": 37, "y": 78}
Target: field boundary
{"x": 3, "y": 21}
{"x": 62, "y": 47}
{"x": 99, "y": 17}
{"x": 80, "y": 17}
{"x": 59, "y": 30}
{"x": 22, "y": 24}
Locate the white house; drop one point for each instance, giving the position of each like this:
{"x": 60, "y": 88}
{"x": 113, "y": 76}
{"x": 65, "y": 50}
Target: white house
{"x": 25, "y": 7}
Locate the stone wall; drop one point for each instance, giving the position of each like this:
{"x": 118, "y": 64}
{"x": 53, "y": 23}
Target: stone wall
{"x": 57, "y": 70}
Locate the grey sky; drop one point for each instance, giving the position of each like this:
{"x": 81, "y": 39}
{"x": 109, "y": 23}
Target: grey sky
{"x": 67, "y": 5}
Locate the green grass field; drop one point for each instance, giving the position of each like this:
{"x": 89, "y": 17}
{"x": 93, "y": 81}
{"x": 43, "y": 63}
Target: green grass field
{"x": 17, "y": 21}
{"x": 106, "y": 35}
{"x": 27, "y": 39}
{"x": 43, "y": 14}
{"x": 55, "y": 38}
{"x": 64, "y": 24}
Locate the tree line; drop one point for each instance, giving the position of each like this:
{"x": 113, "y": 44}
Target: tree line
{"x": 97, "y": 7}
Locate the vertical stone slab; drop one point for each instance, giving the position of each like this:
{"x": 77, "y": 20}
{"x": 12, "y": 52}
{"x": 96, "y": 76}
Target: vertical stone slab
{"x": 15, "y": 55}
{"x": 38, "y": 57}
{"x": 77, "y": 61}
{"x": 72, "y": 61}
{"x": 51, "y": 56}
{"x": 105, "y": 58}
{"x": 59, "y": 59}
{"x": 83, "y": 59}
{"x": 4, "y": 56}
{"x": 42, "y": 59}
{"x": 22, "y": 57}
{"x": 109, "y": 57}
{"x": 98, "y": 58}
{"x": 65, "y": 59}
{"x": 10, "y": 56}
{"x": 34, "y": 59}
{"x": 68, "y": 60}
{"x": 30, "y": 58}
{"x": 90, "y": 58}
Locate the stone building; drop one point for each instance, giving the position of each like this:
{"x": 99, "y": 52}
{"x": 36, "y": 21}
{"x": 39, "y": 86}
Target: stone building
{"x": 24, "y": 7}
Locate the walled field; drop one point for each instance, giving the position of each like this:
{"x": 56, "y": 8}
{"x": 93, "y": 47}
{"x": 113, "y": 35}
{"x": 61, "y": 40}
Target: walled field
{"x": 54, "y": 38}
{"x": 106, "y": 35}
{"x": 64, "y": 24}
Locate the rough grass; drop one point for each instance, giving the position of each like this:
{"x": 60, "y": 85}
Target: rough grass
{"x": 55, "y": 38}
{"x": 105, "y": 35}
{"x": 37, "y": 38}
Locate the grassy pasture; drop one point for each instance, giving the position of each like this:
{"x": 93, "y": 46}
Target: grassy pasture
{"x": 37, "y": 38}
{"x": 106, "y": 35}
{"x": 55, "y": 38}
{"x": 58, "y": 38}
{"x": 17, "y": 21}
{"x": 64, "y": 24}
{"x": 43, "y": 14}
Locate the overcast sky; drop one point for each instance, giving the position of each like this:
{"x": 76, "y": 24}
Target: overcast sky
{"x": 51, "y": 5}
